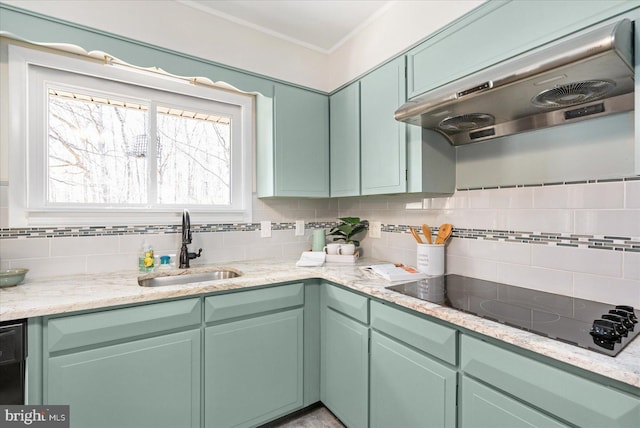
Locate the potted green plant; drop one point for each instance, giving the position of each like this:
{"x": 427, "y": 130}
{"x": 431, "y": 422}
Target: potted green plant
{"x": 347, "y": 229}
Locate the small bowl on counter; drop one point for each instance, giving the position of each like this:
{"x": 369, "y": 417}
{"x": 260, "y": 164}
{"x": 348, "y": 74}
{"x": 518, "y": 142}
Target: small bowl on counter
{"x": 12, "y": 277}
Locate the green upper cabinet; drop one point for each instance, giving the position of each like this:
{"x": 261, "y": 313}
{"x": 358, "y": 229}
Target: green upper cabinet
{"x": 372, "y": 153}
{"x": 383, "y": 143}
{"x": 344, "y": 122}
{"x": 294, "y": 159}
{"x": 499, "y": 30}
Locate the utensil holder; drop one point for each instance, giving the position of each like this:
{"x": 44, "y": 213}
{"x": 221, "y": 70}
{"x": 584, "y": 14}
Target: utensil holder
{"x": 430, "y": 259}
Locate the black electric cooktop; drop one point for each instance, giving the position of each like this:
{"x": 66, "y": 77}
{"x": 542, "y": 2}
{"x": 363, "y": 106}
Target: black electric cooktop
{"x": 600, "y": 327}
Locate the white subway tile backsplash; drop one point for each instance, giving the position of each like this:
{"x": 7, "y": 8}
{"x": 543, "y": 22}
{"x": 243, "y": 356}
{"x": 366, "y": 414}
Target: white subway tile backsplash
{"x": 72, "y": 246}
{"x": 595, "y": 195}
{"x": 472, "y": 219}
{"x": 549, "y": 280}
{"x": 112, "y": 262}
{"x": 4, "y": 217}
{"x": 4, "y": 195}
{"x": 536, "y": 220}
{"x": 632, "y": 194}
{"x": 600, "y": 262}
{"x": 609, "y": 290}
{"x": 631, "y": 265}
{"x": 514, "y": 198}
{"x": 504, "y": 252}
{"x": 52, "y": 266}
{"x": 24, "y": 248}
{"x": 473, "y": 267}
{"x": 608, "y": 222}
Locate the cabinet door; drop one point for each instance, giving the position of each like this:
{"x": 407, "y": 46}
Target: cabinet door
{"x": 151, "y": 383}
{"x": 484, "y": 407}
{"x": 301, "y": 143}
{"x": 344, "y": 141}
{"x": 383, "y": 139}
{"x": 253, "y": 369}
{"x": 345, "y": 368}
{"x": 408, "y": 389}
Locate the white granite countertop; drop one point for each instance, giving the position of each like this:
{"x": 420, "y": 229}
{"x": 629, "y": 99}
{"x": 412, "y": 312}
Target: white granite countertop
{"x": 56, "y": 295}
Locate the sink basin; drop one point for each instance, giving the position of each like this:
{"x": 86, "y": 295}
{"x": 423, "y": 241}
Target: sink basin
{"x": 188, "y": 278}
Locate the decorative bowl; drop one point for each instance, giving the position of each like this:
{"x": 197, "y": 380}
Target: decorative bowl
{"x": 12, "y": 277}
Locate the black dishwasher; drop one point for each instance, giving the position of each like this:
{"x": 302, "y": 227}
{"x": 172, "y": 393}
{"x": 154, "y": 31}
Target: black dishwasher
{"x": 13, "y": 355}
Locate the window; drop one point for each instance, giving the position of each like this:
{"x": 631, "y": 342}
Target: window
{"x": 104, "y": 144}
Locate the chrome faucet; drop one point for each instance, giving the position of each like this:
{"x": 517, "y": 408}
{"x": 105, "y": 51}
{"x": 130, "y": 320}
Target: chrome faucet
{"x": 185, "y": 255}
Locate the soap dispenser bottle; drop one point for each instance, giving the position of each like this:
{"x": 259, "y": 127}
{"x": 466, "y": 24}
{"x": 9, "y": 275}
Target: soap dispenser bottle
{"x": 145, "y": 258}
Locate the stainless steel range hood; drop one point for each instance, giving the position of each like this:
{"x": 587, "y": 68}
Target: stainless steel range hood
{"x": 587, "y": 76}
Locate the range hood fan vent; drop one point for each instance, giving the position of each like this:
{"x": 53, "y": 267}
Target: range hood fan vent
{"x": 466, "y": 122}
{"x": 573, "y": 94}
{"x": 584, "y": 76}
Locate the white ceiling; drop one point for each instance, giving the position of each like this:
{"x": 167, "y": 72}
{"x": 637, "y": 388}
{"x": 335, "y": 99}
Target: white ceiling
{"x": 322, "y": 25}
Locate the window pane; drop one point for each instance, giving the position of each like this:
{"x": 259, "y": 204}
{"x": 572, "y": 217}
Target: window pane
{"x": 96, "y": 150}
{"x": 194, "y": 159}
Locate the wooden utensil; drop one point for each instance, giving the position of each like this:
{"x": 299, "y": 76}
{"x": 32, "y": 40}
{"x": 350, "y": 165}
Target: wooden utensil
{"x": 443, "y": 233}
{"x": 426, "y": 231}
{"x": 416, "y": 236}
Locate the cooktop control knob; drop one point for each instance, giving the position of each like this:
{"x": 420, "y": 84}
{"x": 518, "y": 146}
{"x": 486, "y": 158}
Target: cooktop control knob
{"x": 630, "y": 311}
{"x": 621, "y": 323}
{"x": 624, "y": 318}
{"x": 604, "y": 334}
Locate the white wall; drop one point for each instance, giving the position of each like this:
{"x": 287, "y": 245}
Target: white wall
{"x": 179, "y": 27}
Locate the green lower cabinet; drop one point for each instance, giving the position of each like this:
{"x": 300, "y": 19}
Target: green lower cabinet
{"x": 482, "y": 407}
{"x": 345, "y": 368}
{"x": 575, "y": 399}
{"x": 409, "y": 389}
{"x": 152, "y": 382}
{"x": 253, "y": 369}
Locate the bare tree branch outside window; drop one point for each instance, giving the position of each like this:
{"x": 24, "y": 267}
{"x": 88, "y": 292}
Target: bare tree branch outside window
{"x": 96, "y": 154}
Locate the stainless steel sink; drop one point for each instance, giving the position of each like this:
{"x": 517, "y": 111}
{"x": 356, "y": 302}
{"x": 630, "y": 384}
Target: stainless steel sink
{"x": 188, "y": 278}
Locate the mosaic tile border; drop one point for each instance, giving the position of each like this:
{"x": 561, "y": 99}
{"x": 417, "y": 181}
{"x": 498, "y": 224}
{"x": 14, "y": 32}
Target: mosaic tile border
{"x": 556, "y": 183}
{"x": 92, "y": 231}
{"x": 600, "y": 242}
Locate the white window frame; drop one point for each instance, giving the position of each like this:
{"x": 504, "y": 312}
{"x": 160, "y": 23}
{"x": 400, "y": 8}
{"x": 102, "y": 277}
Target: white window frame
{"x": 31, "y": 71}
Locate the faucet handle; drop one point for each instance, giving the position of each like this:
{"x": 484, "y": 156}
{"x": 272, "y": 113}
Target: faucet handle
{"x": 194, "y": 255}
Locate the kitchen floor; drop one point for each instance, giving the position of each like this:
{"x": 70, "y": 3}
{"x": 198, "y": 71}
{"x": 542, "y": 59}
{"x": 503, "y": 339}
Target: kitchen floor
{"x": 312, "y": 417}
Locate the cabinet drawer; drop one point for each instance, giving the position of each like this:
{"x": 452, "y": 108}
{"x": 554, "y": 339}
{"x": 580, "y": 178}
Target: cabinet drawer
{"x": 486, "y": 407}
{"x": 348, "y": 303}
{"x": 119, "y": 324}
{"x": 243, "y": 303}
{"x": 420, "y": 333}
{"x": 580, "y": 401}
